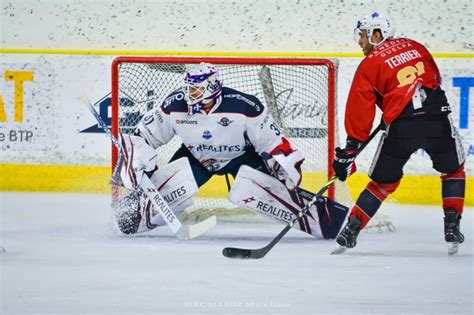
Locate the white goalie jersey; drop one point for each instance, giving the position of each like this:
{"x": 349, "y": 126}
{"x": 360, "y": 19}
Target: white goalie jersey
{"x": 217, "y": 137}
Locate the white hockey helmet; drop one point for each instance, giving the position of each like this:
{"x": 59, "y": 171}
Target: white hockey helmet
{"x": 375, "y": 21}
{"x": 202, "y": 84}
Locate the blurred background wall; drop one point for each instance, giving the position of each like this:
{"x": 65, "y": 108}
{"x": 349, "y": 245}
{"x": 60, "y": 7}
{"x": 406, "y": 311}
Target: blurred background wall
{"x": 53, "y": 51}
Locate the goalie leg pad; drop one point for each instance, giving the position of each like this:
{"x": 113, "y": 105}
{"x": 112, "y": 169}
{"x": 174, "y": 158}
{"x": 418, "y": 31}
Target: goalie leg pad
{"x": 138, "y": 158}
{"x": 177, "y": 209}
{"x": 331, "y": 214}
{"x": 265, "y": 195}
{"x": 175, "y": 182}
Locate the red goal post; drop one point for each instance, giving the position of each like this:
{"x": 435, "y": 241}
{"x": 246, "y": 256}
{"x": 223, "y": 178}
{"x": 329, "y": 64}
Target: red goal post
{"x": 286, "y": 77}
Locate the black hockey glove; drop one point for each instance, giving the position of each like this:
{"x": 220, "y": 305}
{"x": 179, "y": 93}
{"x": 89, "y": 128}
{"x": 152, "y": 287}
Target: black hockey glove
{"x": 343, "y": 164}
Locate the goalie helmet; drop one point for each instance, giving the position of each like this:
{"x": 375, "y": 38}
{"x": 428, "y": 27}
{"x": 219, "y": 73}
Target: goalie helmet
{"x": 375, "y": 21}
{"x": 202, "y": 84}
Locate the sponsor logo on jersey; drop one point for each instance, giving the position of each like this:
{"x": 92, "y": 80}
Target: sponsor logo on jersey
{"x": 218, "y": 148}
{"x": 206, "y": 135}
{"x": 390, "y": 47}
{"x": 147, "y": 130}
{"x": 267, "y": 117}
{"x": 243, "y": 98}
{"x": 225, "y": 121}
{"x": 186, "y": 122}
{"x": 148, "y": 119}
{"x": 175, "y": 97}
{"x": 158, "y": 115}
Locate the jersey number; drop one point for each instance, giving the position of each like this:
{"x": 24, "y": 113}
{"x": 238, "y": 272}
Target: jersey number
{"x": 275, "y": 128}
{"x": 408, "y": 74}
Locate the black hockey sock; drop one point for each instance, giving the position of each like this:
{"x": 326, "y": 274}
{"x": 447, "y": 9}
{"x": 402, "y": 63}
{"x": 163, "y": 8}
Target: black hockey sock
{"x": 453, "y": 189}
{"x": 370, "y": 199}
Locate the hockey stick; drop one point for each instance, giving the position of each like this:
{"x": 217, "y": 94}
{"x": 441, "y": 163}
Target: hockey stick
{"x": 181, "y": 231}
{"x": 242, "y": 253}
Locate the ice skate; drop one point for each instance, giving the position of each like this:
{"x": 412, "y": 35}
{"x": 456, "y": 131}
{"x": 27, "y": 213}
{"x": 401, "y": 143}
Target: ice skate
{"x": 452, "y": 234}
{"x": 348, "y": 237}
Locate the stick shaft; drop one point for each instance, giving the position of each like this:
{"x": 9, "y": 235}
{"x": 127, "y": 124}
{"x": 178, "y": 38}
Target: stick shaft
{"x": 232, "y": 252}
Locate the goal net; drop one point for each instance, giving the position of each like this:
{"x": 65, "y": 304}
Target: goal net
{"x": 299, "y": 92}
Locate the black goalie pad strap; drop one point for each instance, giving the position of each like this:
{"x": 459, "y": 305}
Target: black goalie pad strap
{"x": 332, "y": 216}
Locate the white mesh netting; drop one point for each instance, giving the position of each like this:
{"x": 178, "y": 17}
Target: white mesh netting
{"x": 297, "y": 96}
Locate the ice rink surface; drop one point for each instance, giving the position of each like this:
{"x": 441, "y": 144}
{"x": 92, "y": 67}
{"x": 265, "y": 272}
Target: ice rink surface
{"x": 62, "y": 256}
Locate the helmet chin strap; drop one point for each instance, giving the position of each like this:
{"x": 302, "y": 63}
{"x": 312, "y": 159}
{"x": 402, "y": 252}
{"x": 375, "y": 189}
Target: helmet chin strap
{"x": 376, "y": 44}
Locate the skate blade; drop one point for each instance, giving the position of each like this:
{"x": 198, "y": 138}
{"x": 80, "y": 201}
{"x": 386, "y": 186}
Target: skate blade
{"x": 338, "y": 250}
{"x": 453, "y": 248}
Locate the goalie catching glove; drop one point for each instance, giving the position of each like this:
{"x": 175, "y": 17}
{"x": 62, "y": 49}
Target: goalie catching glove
{"x": 138, "y": 158}
{"x": 285, "y": 164}
{"x": 344, "y": 160}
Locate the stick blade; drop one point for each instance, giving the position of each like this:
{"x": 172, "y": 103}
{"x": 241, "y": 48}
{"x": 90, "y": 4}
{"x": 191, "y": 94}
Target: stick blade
{"x": 187, "y": 232}
{"x": 242, "y": 253}
{"x": 239, "y": 253}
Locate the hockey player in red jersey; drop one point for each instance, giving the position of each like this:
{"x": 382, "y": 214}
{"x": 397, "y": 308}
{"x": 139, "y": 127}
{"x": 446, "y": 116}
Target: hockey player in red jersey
{"x": 400, "y": 77}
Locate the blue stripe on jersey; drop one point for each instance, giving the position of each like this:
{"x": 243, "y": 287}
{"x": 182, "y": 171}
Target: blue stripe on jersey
{"x": 234, "y": 101}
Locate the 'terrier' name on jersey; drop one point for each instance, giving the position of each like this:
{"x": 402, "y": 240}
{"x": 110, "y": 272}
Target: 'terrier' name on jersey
{"x": 402, "y": 58}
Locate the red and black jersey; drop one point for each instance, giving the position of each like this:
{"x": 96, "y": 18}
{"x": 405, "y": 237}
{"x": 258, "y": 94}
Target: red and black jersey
{"x": 388, "y": 77}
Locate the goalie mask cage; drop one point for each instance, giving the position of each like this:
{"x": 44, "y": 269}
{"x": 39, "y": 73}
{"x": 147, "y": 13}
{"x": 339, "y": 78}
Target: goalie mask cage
{"x": 299, "y": 92}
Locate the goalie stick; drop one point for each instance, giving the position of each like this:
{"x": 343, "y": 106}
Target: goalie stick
{"x": 181, "y": 231}
{"x": 242, "y": 253}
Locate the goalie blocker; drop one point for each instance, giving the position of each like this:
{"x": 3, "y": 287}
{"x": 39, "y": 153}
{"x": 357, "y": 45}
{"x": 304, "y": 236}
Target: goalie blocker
{"x": 265, "y": 195}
